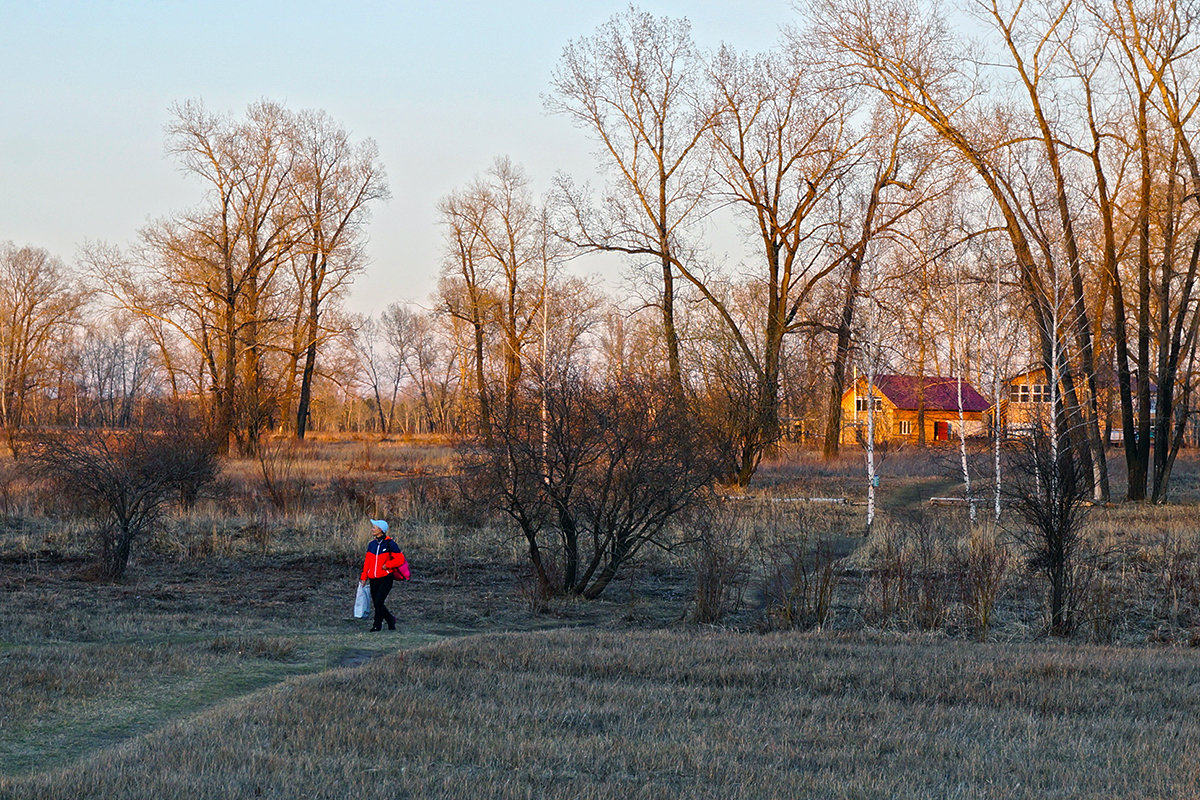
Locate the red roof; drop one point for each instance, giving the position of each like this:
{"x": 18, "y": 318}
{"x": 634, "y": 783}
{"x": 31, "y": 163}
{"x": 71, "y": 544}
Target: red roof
{"x": 941, "y": 394}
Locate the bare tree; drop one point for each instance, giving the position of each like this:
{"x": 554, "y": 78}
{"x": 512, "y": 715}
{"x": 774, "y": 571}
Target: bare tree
{"x": 38, "y": 303}
{"x": 381, "y": 366}
{"x": 1153, "y": 45}
{"x": 1048, "y": 493}
{"x": 223, "y": 258}
{"x": 595, "y": 479}
{"x": 249, "y": 277}
{"x": 783, "y": 154}
{"x": 636, "y": 86}
{"x": 430, "y": 363}
{"x": 894, "y": 179}
{"x": 910, "y": 56}
{"x": 116, "y": 367}
{"x": 501, "y": 264}
{"x": 465, "y": 292}
{"x": 335, "y": 183}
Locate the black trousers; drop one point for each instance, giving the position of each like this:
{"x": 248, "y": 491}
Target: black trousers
{"x": 379, "y": 592}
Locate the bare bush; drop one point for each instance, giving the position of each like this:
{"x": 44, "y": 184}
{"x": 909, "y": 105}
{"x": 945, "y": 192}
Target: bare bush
{"x": 912, "y": 570}
{"x": 354, "y": 493}
{"x": 1177, "y": 569}
{"x": 122, "y": 480}
{"x": 931, "y": 535}
{"x": 984, "y": 563}
{"x": 889, "y": 581}
{"x": 720, "y": 559}
{"x": 592, "y": 471}
{"x": 1047, "y": 491}
{"x": 1101, "y": 607}
{"x": 282, "y": 479}
{"x": 12, "y": 480}
{"x": 800, "y": 571}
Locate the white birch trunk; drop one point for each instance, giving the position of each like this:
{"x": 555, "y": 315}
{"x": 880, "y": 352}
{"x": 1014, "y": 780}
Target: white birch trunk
{"x": 870, "y": 444}
{"x": 871, "y": 354}
{"x": 962, "y": 430}
{"x": 996, "y": 383}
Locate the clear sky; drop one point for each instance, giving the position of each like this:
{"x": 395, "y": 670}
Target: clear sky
{"x": 442, "y": 87}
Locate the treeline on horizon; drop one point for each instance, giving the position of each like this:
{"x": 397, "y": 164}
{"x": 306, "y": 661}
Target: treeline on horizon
{"x": 911, "y": 199}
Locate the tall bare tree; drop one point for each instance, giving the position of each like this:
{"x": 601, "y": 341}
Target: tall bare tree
{"x": 784, "y": 148}
{"x": 336, "y": 181}
{"x": 502, "y": 262}
{"x": 249, "y": 277}
{"x": 381, "y": 368}
{"x": 428, "y": 360}
{"x": 636, "y": 86}
{"x": 116, "y": 365}
{"x": 895, "y": 176}
{"x": 234, "y": 245}
{"x": 1154, "y": 80}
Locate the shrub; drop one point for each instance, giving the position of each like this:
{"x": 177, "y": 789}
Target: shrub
{"x": 592, "y": 471}
{"x": 984, "y": 565}
{"x": 800, "y": 571}
{"x": 719, "y": 559}
{"x": 122, "y": 480}
{"x": 1047, "y": 491}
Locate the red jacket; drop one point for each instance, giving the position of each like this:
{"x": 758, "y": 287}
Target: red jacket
{"x": 383, "y": 557}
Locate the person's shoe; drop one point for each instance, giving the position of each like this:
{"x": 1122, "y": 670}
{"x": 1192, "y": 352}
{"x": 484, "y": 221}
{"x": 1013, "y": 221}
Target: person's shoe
{"x": 391, "y": 627}
{"x": 374, "y": 629}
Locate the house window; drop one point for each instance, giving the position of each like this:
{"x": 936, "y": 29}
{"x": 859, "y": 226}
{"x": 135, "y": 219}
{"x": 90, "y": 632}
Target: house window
{"x": 905, "y": 427}
{"x": 860, "y": 404}
{"x": 1020, "y": 393}
{"x": 1039, "y": 393}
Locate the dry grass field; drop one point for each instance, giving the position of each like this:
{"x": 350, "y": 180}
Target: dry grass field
{"x": 226, "y": 664}
{"x": 599, "y": 714}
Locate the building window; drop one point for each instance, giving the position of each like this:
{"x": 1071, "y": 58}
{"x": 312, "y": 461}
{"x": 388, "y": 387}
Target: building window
{"x": 905, "y": 427}
{"x": 860, "y": 404}
{"x": 1030, "y": 393}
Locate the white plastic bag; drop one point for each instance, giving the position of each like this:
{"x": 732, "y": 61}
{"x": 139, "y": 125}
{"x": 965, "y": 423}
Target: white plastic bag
{"x": 362, "y": 602}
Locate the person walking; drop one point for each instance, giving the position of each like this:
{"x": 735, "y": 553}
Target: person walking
{"x": 382, "y": 564}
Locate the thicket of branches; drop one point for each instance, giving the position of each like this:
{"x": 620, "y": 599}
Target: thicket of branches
{"x": 591, "y": 471}
{"x": 123, "y": 481}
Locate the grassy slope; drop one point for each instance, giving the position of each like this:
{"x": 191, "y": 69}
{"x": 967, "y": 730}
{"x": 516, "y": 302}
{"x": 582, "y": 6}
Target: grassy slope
{"x": 67, "y": 700}
{"x": 90, "y": 665}
{"x": 653, "y": 714}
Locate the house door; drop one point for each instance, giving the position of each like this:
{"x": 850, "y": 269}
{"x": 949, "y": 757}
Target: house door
{"x": 941, "y": 431}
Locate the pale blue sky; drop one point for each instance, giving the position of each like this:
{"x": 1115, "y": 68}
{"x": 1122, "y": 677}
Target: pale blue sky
{"x": 443, "y": 88}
